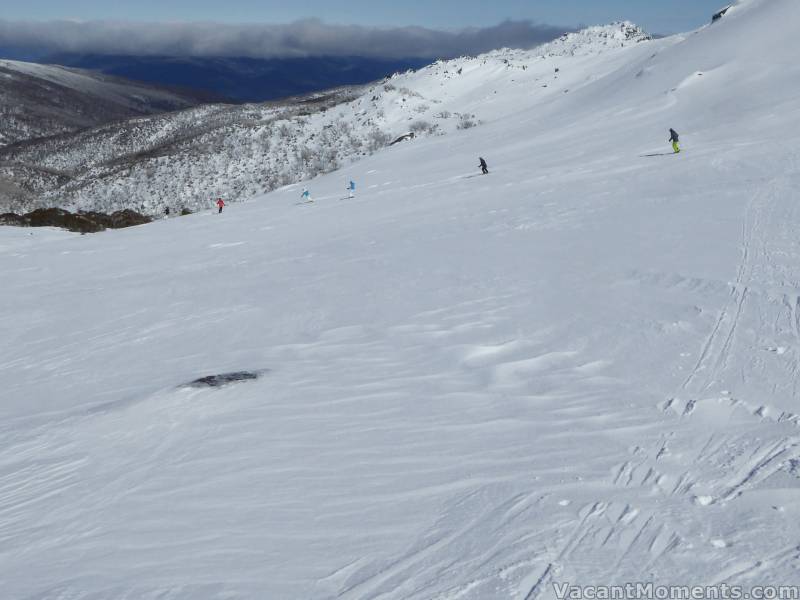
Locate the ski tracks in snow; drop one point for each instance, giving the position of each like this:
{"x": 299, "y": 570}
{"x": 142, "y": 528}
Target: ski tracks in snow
{"x": 512, "y": 536}
{"x": 744, "y": 384}
{"x": 717, "y": 347}
{"x": 647, "y": 514}
{"x": 764, "y": 296}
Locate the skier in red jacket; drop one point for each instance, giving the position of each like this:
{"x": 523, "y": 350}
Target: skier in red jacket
{"x": 220, "y": 204}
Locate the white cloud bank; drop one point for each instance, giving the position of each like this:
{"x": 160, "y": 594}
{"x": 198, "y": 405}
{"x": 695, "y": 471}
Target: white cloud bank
{"x": 299, "y": 39}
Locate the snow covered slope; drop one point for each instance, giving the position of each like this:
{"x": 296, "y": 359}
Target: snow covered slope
{"x": 581, "y": 368}
{"x": 41, "y": 100}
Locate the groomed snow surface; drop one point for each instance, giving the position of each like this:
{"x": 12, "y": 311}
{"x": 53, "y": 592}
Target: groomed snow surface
{"x": 581, "y": 368}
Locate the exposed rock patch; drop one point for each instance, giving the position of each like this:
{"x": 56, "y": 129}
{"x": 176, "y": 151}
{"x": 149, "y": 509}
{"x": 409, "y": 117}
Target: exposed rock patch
{"x": 225, "y": 379}
{"x": 81, "y": 222}
{"x": 719, "y": 14}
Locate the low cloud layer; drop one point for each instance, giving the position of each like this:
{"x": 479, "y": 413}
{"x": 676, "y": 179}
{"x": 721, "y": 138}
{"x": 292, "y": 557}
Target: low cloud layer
{"x": 300, "y": 39}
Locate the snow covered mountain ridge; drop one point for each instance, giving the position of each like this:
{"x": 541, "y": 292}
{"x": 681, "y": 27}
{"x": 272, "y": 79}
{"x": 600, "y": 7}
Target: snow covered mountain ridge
{"x": 238, "y": 152}
{"x": 595, "y": 39}
{"x": 591, "y": 40}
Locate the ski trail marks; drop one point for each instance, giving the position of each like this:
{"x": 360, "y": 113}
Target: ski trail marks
{"x": 767, "y": 462}
{"x": 540, "y": 583}
{"x": 578, "y": 533}
{"x": 711, "y": 356}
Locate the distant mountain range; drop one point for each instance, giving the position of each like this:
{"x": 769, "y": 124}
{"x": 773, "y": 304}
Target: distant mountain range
{"x": 43, "y": 100}
{"x": 243, "y": 79}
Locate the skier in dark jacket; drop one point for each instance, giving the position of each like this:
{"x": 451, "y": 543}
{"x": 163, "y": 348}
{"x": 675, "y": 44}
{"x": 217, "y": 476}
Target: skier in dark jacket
{"x": 673, "y": 137}
{"x": 484, "y": 168}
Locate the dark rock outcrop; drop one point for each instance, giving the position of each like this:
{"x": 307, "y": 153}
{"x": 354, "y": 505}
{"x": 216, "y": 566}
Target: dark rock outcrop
{"x": 407, "y": 136}
{"x": 225, "y": 379}
{"x": 721, "y": 13}
{"x": 80, "y": 222}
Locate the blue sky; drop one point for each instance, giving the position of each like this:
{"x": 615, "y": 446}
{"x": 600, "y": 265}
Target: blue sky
{"x": 658, "y": 16}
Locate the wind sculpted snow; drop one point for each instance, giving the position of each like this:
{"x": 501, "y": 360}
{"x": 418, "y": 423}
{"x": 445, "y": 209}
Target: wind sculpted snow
{"x": 580, "y": 368}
